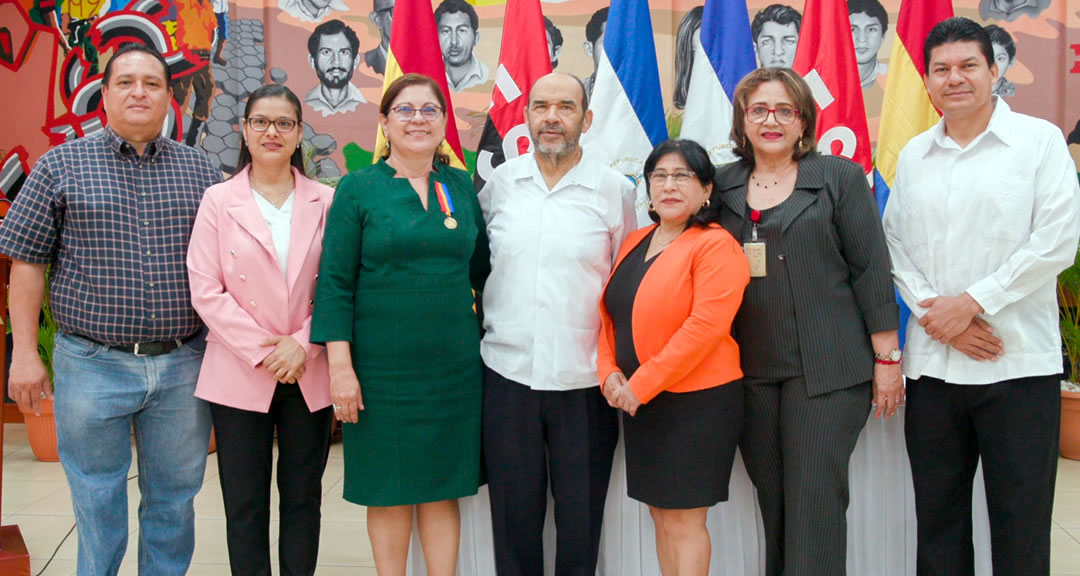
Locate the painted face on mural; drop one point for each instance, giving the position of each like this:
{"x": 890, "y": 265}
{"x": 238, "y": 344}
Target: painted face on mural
{"x": 868, "y": 33}
{"x": 959, "y": 80}
{"x": 383, "y": 19}
{"x": 595, "y": 50}
{"x": 555, "y": 115}
{"x": 1001, "y": 58}
{"x": 457, "y": 38}
{"x": 1010, "y": 10}
{"x": 335, "y": 61}
{"x": 137, "y": 97}
{"x": 776, "y": 45}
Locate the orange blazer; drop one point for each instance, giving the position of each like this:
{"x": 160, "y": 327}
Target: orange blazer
{"x": 682, "y": 314}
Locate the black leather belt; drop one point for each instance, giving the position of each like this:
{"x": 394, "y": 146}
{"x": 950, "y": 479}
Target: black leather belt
{"x": 148, "y": 348}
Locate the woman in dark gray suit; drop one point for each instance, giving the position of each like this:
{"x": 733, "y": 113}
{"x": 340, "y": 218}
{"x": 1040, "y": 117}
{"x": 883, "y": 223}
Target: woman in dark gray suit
{"x": 818, "y": 324}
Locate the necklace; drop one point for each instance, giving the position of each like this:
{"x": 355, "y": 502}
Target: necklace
{"x": 277, "y": 201}
{"x": 657, "y": 243}
{"x": 776, "y": 182}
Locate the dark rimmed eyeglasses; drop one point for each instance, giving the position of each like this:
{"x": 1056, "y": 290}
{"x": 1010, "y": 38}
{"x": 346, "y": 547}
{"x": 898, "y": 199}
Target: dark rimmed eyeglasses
{"x": 783, "y": 114}
{"x": 260, "y": 124}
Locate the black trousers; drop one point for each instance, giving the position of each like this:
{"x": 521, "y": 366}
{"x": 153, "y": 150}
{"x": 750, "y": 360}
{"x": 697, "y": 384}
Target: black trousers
{"x": 1013, "y": 426}
{"x": 245, "y": 442}
{"x": 527, "y": 435}
{"x": 796, "y": 448}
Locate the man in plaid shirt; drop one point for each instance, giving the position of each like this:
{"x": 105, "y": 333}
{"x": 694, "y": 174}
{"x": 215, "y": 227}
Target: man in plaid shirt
{"x": 112, "y": 213}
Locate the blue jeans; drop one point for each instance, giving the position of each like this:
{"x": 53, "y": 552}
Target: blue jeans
{"x": 100, "y": 394}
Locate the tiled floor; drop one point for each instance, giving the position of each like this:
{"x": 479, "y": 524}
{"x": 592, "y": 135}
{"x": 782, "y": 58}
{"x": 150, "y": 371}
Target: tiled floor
{"x": 36, "y": 498}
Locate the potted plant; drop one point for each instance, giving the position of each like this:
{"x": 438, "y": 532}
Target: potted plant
{"x": 1068, "y": 286}
{"x": 41, "y": 429}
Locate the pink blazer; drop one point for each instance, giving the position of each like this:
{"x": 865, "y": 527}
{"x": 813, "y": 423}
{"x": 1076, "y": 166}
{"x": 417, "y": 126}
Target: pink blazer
{"x": 239, "y": 291}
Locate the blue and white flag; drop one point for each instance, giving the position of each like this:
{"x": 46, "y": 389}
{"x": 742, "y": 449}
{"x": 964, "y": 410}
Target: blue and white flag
{"x": 628, "y": 109}
{"x": 723, "y": 56}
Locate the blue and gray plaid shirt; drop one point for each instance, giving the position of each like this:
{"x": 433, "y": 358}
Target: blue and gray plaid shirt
{"x": 115, "y": 226}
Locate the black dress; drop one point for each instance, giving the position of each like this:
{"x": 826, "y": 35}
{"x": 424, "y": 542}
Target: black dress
{"x": 680, "y": 447}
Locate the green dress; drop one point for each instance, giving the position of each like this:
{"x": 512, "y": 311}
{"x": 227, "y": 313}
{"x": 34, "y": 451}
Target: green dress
{"x": 397, "y": 283}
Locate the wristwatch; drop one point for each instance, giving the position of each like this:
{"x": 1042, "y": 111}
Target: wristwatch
{"x": 889, "y": 358}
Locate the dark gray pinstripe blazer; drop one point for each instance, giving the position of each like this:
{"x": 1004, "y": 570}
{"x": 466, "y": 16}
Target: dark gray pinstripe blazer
{"x": 837, "y": 262}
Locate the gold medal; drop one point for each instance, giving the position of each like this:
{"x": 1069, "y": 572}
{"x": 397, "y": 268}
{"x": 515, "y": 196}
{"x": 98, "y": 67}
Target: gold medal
{"x": 450, "y": 223}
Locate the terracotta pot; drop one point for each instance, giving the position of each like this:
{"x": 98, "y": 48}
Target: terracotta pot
{"x": 1070, "y": 425}
{"x": 41, "y": 431}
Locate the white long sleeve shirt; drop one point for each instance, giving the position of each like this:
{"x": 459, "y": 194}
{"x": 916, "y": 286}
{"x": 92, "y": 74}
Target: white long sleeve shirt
{"x": 998, "y": 219}
{"x": 551, "y": 254}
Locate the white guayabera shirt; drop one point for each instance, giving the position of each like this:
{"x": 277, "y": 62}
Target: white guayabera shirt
{"x": 998, "y": 219}
{"x": 551, "y": 254}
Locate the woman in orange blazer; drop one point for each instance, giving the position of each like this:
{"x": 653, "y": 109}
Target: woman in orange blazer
{"x": 667, "y": 358}
{"x": 252, "y": 263}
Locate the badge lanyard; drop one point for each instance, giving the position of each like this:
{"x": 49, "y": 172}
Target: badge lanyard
{"x": 755, "y": 249}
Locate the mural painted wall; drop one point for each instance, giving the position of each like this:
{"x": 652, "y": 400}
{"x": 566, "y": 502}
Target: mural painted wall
{"x": 332, "y": 53}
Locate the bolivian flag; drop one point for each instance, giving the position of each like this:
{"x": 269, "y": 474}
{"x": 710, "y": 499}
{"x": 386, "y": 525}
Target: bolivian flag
{"x": 414, "y": 48}
{"x": 907, "y": 111}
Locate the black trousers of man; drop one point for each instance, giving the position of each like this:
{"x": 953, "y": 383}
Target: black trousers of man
{"x": 1013, "y": 426}
{"x": 245, "y": 441}
{"x": 529, "y": 434}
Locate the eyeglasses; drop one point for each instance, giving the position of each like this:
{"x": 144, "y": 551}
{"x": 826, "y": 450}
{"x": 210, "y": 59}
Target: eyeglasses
{"x": 681, "y": 178}
{"x": 406, "y": 113}
{"x": 782, "y": 114}
{"x": 260, "y": 124}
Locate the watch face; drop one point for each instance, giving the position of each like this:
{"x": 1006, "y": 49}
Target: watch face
{"x": 894, "y": 355}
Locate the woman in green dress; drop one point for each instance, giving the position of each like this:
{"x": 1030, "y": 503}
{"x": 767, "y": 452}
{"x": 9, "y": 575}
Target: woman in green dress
{"x": 404, "y": 249}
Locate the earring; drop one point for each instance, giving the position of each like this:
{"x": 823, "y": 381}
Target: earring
{"x": 651, "y": 209}
{"x": 706, "y": 203}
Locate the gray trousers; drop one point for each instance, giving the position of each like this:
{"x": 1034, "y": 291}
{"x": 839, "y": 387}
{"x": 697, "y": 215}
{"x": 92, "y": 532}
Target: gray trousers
{"x": 796, "y": 448}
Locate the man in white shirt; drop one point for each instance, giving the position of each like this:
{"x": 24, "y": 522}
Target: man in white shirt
{"x": 982, "y": 218}
{"x": 555, "y": 224}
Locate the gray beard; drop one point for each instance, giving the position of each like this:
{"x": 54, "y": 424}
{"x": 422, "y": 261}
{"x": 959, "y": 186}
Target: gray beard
{"x": 562, "y": 153}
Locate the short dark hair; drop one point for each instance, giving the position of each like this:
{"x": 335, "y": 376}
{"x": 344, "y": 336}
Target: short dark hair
{"x": 696, "y": 158}
{"x": 595, "y": 27}
{"x": 800, "y": 94}
{"x": 556, "y": 38}
{"x": 999, "y": 35}
{"x": 136, "y": 47}
{"x": 871, "y": 8}
{"x": 455, "y": 6}
{"x": 329, "y": 28}
{"x": 273, "y": 91}
{"x": 957, "y": 29}
{"x": 779, "y": 13}
{"x": 394, "y": 90}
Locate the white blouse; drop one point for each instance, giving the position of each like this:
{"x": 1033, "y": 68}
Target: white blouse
{"x": 280, "y": 222}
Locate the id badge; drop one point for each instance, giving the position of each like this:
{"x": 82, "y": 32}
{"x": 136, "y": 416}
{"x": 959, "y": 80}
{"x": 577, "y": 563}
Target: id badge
{"x": 755, "y": 256}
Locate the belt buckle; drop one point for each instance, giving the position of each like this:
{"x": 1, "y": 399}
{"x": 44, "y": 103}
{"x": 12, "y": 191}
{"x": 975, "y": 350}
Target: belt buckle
{"x": 138, "y": 351}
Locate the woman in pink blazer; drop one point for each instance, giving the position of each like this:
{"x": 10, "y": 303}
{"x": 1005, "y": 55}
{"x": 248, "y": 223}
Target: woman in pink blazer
{"x": 252, "y": 262}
